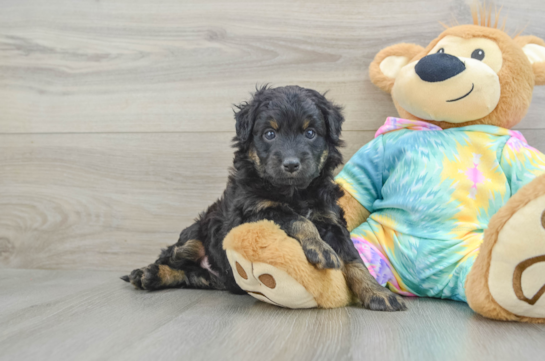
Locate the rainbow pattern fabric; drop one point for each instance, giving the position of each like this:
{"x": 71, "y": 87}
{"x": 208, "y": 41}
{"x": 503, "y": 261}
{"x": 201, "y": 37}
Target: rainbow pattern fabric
{"x": 431, "y": 193}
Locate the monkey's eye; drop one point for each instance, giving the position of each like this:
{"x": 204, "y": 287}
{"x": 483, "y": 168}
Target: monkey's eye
{"x": 269, "y": 134}
{"x": 478, "y": 54}
{"x": 310, "y": 133}
{"x": 441, "y": 51}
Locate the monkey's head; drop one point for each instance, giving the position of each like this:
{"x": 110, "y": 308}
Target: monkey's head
{"x": 470, "y": 74}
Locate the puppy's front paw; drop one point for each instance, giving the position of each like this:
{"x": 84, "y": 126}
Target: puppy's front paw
{"x": 135, "y": 278}
{"x": 146, "y": 278}
{"x": 321, "y": 255}
{"x": 382, "y": 300}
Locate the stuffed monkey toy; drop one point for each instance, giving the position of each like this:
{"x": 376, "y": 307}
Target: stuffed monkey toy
{"x": 446, "y": 201}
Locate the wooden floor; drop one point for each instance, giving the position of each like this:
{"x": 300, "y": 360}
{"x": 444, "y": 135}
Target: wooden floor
{"x": 115, "y": 128}
{"x": 92, "y": 315}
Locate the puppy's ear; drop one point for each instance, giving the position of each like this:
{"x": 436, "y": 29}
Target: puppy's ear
{"x": 245, "y": 115}
{"x": 244, "y": 122}
{"x": 334, "y": 120}
{"x": 332, "y": 114}
{"x": 534, "y": 48}
{"x": 387, "y": 63}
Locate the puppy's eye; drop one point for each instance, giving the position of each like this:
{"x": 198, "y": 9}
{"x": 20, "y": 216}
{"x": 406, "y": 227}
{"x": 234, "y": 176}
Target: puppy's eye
{"x": 310, "y": 133}
{"x": 269, "y": 134}
{"x": 478, "y": 54}
{"x": 441, "y": 51}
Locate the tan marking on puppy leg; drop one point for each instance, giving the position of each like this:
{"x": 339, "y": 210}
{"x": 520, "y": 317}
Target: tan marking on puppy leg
{"x": 308, "y": 235}
{"x": 371, "y": 294}
{"x": 357, "y": 277}
{"x": 192, "y": 250}
{"x": 274, "y": 124}
{"x": 316, "y": 250}
{"x": 169, "y": 276}
{"x": 305, "y": 230}
{"x": 266, "y": 204}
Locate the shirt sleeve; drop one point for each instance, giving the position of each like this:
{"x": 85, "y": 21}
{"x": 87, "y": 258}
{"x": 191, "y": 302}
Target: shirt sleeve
{"x": 362, "y": 174}
{"x": 521, "y": 163}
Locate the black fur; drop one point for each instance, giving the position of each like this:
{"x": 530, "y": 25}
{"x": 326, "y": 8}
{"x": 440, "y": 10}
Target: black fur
{"x": 262, "y": 186}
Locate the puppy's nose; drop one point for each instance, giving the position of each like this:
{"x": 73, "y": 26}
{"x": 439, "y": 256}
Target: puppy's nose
{"x": 291, "y": 165}
{"x": 439, "y": 67}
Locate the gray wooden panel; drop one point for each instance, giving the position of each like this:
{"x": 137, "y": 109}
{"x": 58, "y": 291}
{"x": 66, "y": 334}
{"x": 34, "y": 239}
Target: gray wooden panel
{"x": 109, "y": 320}
{"x": 147, "y": 66}
{"x": 107, "y": 201}
{"x": 111, "y": 201}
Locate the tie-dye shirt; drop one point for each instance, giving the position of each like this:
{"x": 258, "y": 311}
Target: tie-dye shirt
{"x": 431, "y": 194}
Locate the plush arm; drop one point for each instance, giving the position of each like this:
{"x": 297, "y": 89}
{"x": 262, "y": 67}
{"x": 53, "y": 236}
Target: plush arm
{"x": 354, "y": 213}
{"x": 361, "y": 182}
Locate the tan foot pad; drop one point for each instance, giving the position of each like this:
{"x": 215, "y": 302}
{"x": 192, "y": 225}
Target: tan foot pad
{"x": 269, "y": 284}
{"x": 517, "y": 266}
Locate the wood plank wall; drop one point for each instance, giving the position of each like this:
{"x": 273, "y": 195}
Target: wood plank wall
{"x": 116, "y": 119}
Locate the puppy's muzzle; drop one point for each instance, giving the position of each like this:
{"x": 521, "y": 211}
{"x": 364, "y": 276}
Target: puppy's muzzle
{"x": 291, "y": 165}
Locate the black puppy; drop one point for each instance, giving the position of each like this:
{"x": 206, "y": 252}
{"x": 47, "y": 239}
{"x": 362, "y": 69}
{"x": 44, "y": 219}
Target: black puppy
{"x": 286, "y": 143}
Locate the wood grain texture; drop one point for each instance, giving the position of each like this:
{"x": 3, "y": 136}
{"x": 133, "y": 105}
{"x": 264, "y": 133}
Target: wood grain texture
{"x": 144, "y": 66}
{"x": 115, "y": 116}
{"x": 109, "y": 320}
{"x": 107, "y": 201}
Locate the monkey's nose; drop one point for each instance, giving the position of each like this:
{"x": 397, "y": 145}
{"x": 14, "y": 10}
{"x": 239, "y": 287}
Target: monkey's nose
{"x": 439, "y": 67}
{"x": 291, "y": 165}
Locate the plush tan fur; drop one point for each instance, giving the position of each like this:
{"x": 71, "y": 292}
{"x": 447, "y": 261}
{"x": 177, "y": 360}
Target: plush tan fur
{"x": 354, "y": 213}
{"x": 265, "y": 242}
{"x": 377, "y": 77}
{"x": 539, "y": 68}
{"x": 482, "y": 15}
{"x": 477, "y": 291}
{"x": 516, "y": 76}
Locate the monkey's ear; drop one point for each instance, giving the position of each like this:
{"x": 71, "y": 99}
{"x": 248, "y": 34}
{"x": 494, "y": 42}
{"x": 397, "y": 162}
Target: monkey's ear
{"x": 534, "y": 48}
{"x": 384, "y": 69}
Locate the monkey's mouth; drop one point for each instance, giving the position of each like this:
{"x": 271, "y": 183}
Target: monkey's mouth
{"x": 463, "y": 96}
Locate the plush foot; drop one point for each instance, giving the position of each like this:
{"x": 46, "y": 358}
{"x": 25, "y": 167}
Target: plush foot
{"x": 507, "y": 281}
{"x": 269, "y": 284}
{"x": 273, "y": 268}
